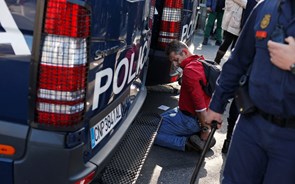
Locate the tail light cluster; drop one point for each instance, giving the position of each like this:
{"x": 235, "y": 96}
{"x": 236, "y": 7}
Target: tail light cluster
{"x": 151, "y": 15}
{"x": 63, "y": 66}
{"x": 171, "y": 21}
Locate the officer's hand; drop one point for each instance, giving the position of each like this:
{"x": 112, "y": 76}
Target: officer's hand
{"x": 282, "y": 55}
{"x": 209, "y": 9}
{"x": 211, "y": 115}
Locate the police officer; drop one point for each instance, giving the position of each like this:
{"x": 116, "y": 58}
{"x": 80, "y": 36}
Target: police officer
{"x": 263, "y": 144}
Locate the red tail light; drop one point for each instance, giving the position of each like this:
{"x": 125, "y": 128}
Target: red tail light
{"x": 66, "y": 19}
{"x": 151, "y": 15}
{"x": 170, "y": 24}
{"x": 63, "y": 66}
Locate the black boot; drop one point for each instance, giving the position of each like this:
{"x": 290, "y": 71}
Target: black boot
{"x": 219, "y": 56}
{"x": 233, "y": 116}
{"x": 225, "y": 146}
{"x": 205, "y": 41}
{"x": 230, "y": 129}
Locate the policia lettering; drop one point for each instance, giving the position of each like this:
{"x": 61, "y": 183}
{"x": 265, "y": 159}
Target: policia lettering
{"x": 112, "y": 75}
{"x": 12, "y": 34}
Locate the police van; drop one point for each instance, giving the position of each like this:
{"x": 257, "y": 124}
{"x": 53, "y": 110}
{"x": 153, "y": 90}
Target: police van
{"x": 173, "y": 20}
{"x": 72, "y": 77}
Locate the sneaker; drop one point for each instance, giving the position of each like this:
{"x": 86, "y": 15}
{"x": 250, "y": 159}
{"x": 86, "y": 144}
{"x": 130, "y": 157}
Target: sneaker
{"x": 197, "y": 144}
{"x": 205, "y": 41}
{"x": 218, "y": 43}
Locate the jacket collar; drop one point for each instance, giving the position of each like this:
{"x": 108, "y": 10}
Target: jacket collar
{"x": 190, "y": 59}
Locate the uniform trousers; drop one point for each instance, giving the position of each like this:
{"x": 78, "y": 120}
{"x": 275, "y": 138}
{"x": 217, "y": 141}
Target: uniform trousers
{"x": 260, "y": 153}
{"x": 175, "y": 129}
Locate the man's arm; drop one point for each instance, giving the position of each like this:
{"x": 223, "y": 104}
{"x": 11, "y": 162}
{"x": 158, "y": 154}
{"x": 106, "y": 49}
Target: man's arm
{"x": 209, "y": 5}
{"x": 192, "y": 78}
{"x": 241, "y": 3}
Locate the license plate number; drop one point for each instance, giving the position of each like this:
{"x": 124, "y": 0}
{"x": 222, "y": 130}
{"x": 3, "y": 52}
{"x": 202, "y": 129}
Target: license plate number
{"x": 103, "y": 127}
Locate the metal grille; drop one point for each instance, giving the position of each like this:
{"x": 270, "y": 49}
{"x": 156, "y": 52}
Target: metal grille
{"x": 129, "y": 159}
{"x": 68, "y": 19}
{"x": 168, "y": 34}
{"x": 62, "y": 81}
{"x": 171, "y": 14}
{"x": 166, "y": 40}
{"x": 63, "y": 67}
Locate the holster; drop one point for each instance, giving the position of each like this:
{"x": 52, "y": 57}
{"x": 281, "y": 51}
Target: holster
{"x": 242, "y": 99}
{"x": 243, "y": 102}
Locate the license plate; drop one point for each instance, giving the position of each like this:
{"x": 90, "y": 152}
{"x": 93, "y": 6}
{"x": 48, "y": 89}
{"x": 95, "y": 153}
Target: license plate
{"x": 103, "y": 127}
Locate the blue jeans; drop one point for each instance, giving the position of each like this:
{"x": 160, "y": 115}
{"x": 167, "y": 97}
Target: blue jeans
{"x": 260, "y": 153}
{"x": 175, "y": 129}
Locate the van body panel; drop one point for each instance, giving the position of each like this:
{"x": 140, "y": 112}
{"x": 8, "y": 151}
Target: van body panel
{"x": 16, "y": 35}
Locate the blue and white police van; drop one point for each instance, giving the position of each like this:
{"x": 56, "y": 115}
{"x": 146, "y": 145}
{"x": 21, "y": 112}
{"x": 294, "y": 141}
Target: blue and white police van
{"x": 72, "y": 77}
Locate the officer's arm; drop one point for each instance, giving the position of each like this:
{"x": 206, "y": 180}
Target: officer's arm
{"x": 236, "y": 65}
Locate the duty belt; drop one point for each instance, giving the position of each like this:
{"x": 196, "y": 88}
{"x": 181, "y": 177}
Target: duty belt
{"x": 277, "y": 120}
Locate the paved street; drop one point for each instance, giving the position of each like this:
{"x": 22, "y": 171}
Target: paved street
{"x": 165, "y": 166}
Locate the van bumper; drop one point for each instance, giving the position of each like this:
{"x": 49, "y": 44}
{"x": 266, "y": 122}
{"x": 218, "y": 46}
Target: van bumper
{"x": 47, "y": 161}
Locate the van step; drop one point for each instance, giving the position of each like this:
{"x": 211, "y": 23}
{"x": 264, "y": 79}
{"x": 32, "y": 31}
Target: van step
{"x": 128, "y": 160}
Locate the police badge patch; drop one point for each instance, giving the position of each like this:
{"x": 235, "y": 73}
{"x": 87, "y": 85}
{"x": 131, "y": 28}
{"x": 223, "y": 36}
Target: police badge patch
{"x": 265, "y": 21}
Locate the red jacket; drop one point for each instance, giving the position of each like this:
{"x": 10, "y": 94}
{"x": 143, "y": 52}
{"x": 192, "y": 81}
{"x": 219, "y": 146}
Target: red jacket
{"x": 192, "y": 98}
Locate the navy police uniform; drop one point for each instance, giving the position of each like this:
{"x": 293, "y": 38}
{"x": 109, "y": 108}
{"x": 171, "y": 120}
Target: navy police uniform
{"x": 263, "y": 145}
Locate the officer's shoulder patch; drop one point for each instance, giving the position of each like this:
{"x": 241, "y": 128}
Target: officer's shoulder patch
{"x": 265, "y": 21}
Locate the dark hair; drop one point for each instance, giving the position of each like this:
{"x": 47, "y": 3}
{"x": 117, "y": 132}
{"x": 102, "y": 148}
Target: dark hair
{"x": 175, "y": 46}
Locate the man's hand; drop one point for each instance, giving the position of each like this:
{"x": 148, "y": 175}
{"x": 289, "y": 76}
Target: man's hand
{"x": 205, "y": 118}
{"x": 201, "y": 116}
{"x": 209, "y": 9}
{"x": 211, "y": 116}
{"x": 282, "y": 55}
{"x": 205, "y": 134}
